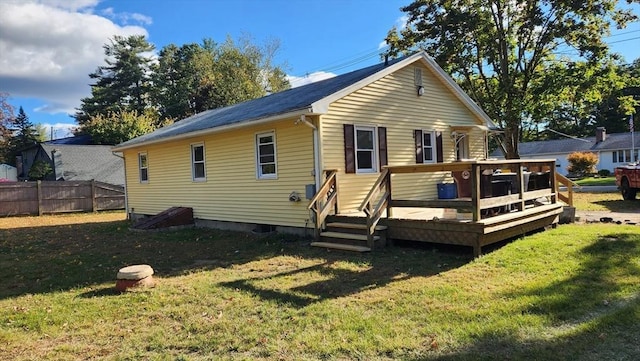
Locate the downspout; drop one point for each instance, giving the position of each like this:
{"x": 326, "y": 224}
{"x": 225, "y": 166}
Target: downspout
{"x": 317, "y": 172}
{"x": 126, "y": 198}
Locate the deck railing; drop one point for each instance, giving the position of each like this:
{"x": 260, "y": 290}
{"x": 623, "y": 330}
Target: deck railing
{"x": 481, "y": 202}
{"x": 568, "y": 183}
{"x": 325, "y": 201}
{"x": 376, "y": 203}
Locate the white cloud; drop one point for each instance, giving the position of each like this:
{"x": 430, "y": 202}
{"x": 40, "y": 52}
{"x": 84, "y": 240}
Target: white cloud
{"x": 297, "y": 81}
{"x": 126, "y": 18}
{"x": 59, "y": 130}
{"x": 49, "y": 47}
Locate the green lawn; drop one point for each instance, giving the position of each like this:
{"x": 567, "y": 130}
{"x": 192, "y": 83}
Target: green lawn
{"x": 569, "y": 293}
{"x": 600, "y": 181}
{"x": 610, "y": 201}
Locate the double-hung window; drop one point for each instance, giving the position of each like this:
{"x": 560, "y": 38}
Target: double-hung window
{"x": 366, "y": 150}
{"x": 198, "y": 171}
{"x": 429, "y": 147}
{"x": 143, "y": 167}
{"x": 266, "y": 155}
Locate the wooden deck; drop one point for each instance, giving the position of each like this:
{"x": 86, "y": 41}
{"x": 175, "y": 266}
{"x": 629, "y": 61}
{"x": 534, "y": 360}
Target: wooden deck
{"x": 483, "y": 218}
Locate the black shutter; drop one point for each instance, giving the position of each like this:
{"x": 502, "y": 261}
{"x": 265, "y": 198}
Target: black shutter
{"x": 439, "y": 156}
{"x": 349, "y": 149}
{"x": 382, "y": 146}
{"x": 417, "y": 134}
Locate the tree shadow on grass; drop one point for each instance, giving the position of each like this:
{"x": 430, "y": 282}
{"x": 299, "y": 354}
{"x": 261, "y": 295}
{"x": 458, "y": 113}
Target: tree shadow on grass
{"x": 596, "y": 311}
{"x": 336, "y": 276}
{"x": 620, "y": 206}
{"x": 59, "y": 258}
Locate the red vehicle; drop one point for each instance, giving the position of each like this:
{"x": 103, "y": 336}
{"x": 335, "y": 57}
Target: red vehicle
{"x": 628, "y": 180}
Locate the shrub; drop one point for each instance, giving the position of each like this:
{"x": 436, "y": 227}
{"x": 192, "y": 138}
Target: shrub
{"x": 604, "y": 172}
{"x": 582, "y": 163}
{"x": 39, "y": 170}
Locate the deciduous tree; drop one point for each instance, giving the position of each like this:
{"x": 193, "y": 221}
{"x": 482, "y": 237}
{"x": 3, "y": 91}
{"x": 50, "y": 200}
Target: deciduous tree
{"x": 118, "y": 127}
{"x": 6, "y": 116}
{"x": 497, "y": 49}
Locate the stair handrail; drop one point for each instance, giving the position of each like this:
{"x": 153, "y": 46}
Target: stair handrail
{"x": 324, "y": 200}
{"x": 365, "y": 206}
{"x": 374, "y": 212}
{"x": 560, "y": 179}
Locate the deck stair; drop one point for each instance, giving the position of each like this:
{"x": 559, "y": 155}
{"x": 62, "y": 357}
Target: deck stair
{"x": 349, "y": 236}
{"x": 174, "y": 216}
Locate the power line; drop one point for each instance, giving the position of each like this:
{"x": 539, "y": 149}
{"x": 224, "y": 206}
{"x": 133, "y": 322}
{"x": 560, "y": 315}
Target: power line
{"x": 368, "y": 54}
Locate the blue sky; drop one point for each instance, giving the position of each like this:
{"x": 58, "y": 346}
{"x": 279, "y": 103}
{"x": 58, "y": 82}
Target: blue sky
{"x": 48, "y": 47}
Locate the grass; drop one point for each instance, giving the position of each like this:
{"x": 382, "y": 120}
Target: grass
{"x": 569, "y": 293}
{"x": 609, "y": 201}
{"x": 600, "y": 181}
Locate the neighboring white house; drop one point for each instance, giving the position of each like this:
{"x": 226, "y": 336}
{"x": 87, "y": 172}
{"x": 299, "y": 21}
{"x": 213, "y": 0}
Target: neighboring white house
{"x": 8, "y": 173}
{"x": 612, "y": 149}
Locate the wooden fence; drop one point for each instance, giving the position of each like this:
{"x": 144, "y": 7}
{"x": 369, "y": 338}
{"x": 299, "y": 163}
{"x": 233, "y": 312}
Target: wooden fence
{"x": 20, "y": 198}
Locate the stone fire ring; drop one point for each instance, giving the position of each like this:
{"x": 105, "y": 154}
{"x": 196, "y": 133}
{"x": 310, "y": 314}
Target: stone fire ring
{"x": 134, "y": 276}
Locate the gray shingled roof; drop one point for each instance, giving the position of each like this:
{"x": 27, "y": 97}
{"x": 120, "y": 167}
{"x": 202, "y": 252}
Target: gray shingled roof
{"x": 298, "y": 99}
{"x": 614, "y": 141}
{"x": 87, "y": 162}
{"x": 290, "y": 100}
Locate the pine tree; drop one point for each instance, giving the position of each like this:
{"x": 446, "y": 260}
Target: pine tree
{"x": 124, "y": 83}
{"x": 25, "y": 133}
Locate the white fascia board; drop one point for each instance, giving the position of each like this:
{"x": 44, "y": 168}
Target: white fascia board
{"x": 322, "y": 105}
{"x": 457, "y": 91}
{"x": 208, "y": 131}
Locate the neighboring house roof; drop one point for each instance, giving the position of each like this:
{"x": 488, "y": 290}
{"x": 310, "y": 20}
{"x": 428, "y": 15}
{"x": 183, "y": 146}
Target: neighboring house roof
{"x": 77, "y": 140}
{"x": 613, "y": 141}
{"x": 313, "y": 98}
{"x": 87, "y": 162}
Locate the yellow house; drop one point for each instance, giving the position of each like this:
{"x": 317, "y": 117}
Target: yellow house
{"x": 259, "y": 162}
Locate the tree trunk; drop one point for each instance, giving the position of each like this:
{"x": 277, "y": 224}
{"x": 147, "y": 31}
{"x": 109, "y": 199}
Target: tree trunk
{"x": 511, "y": 137}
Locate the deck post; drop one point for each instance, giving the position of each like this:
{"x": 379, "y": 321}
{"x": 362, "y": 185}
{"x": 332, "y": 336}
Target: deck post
{"x": 388, "y": 185}
{"x": 39, "y": 190}
{"x": 553, "y": 184}
{"x": 477, "y": 249}
{"x": 475, "y": 191}
{"x": 522, "y": 187}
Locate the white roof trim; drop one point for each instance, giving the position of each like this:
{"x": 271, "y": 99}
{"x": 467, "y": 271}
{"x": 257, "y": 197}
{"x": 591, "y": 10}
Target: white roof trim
{"x": 293, "y": 114}
{"x": 322, "y": 105}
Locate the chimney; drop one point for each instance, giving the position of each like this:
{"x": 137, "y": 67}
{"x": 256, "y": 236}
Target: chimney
{"x": 601, "y": 134}
{"x": 19, "y": 165}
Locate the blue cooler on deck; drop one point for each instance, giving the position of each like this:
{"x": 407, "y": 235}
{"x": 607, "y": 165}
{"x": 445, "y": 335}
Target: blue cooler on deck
{"x": 446, "y": 190}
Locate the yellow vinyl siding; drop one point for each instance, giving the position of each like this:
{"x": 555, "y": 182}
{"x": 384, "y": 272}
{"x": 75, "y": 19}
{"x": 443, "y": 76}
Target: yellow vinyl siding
{"x": 392, "y": 102}
{"x": 232, "y": 191}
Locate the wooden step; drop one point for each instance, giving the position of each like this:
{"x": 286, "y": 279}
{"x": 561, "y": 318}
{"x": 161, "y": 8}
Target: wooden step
{"x": 349, "y": 236}
{"x": 343, "y": 247}
{"x": 354, "y": 226}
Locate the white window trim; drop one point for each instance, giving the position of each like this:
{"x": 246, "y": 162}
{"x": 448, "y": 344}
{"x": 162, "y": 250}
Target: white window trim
{"x": 259, "y": 174}
{"x": 374, "y": 161}
{"x": 140, "y": 168}
{"x": 193, "y": 162}
{"x": 434, "y": 146}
